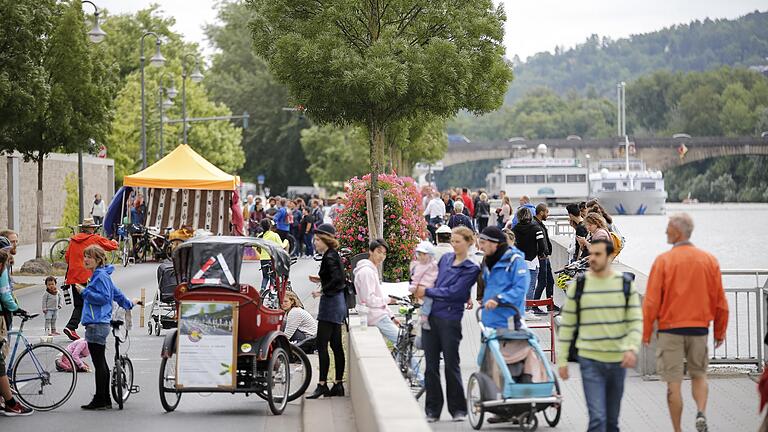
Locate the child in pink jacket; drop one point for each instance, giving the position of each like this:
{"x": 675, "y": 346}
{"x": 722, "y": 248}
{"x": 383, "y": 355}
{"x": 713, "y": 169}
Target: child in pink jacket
{"x": 79, "y": 350}
{"x": 424, "y": 273}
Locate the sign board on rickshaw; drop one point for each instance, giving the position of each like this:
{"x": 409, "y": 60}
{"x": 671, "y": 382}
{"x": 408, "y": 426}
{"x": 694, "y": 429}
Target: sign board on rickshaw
{"x": 207, "y": 344}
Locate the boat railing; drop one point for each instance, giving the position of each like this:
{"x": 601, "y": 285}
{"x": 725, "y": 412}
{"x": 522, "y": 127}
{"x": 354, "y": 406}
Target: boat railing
{"x": 559, "y": 225}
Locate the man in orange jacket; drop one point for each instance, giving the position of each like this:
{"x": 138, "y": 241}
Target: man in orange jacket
{"x": 76, "y": 271}
{"x": 684, "y": 294}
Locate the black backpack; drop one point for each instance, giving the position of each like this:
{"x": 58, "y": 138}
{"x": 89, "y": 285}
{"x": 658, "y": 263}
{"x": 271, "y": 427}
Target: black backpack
{"x": 573, "y": 352}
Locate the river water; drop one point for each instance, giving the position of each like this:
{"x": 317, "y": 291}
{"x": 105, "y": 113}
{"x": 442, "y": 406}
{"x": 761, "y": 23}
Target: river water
{"x": 737, "y": 234}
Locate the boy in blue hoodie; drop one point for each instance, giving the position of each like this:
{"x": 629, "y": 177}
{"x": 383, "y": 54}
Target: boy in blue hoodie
{"x": 506, "y": 278}
{"x": 98, "y": 296}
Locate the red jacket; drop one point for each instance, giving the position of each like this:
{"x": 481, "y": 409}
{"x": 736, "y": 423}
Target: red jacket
{"x": 685, "y": 289}
{"x": 76, "y": 271}
{"x": 468, "y": 204}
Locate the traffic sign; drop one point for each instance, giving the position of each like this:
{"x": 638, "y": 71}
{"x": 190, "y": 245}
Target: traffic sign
{"x": 260, "y": 179}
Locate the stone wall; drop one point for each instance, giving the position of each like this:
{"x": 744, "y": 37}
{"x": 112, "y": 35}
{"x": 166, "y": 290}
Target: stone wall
{"x": 98, "y": 176}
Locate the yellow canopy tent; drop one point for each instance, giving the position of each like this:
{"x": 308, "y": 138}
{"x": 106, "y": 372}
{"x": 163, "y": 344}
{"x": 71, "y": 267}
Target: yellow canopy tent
{"x": 183, "y": 168}
{"x": 184, "y": 189}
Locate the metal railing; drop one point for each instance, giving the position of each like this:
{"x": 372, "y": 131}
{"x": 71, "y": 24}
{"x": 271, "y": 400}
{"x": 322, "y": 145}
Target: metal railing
{"x": 559, "y": 225}
{"x": 743, "y": 343}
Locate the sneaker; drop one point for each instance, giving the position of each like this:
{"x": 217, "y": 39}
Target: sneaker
{"x": 529, "y": 316}
{"x": 460, "y": 417}
{"x": 17, "y": 410}
{"x": 539, "y": 311}
{"x": 55, "y": 333}
{"x": 432, "y": 419}
{"x": 701, "y": 422}
{"x": 71, "y": 334}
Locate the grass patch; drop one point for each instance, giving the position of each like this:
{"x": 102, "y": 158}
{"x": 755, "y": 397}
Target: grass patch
{"x": 54, "y": 272}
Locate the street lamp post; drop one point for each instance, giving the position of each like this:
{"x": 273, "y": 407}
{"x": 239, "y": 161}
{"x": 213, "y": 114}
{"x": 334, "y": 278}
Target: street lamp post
{"x": 96, "y": 35}
{"x": 156, "y": 60}
{"x": 589, "y": 182}
{"x": 196, "y": 77}
{"x": 164, "y": 104}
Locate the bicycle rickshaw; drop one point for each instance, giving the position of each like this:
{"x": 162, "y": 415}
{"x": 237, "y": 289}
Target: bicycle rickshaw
{"x": 515, "y": 380}
{"x": 227, "y": 340}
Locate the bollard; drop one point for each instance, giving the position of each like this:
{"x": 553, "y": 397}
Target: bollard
{"x": 141, "y": 317}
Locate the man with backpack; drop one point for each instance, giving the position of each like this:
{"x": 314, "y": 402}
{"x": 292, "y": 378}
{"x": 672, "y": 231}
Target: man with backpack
{"x": 601, "y": 328}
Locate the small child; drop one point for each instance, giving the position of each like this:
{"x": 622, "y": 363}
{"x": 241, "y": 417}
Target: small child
{"x": 424, "y": 273}
{"x": 51, "y": 305}
{"x": 79, "y": 350}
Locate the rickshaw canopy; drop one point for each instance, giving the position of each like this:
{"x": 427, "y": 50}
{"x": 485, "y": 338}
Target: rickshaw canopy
{"x": 216, "y": 261}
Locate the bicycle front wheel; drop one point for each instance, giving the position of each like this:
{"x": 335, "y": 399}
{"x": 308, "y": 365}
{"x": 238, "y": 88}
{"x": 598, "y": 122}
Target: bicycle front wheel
{"x": 58, "y": 249}
{"x": 122, "y": 381}
{"x": 37, "y": 382}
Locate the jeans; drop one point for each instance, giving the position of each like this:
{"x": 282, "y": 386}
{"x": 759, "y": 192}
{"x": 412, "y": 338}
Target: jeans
{"x": 532, "y": 285}
{"x": 388, "y": 329}
{"x": 310, "y": 247}
{"x": 443, "y": 337}
{"x": 266, "y": 272}
{"x": 545, "y": 279}
{"x": 603, "y": 390}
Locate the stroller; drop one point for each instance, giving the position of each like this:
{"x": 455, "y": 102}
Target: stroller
{"x": 515, "y": 381}
{"x": 162, "y": 314}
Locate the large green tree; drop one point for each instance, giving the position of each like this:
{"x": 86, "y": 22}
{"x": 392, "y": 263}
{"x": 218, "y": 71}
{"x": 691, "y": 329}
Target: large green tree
{"x": 242, "y": 81}
{"x": 73, "y": 108}
{"x": 373, "y": 64}
{"x": 335, "y": 154}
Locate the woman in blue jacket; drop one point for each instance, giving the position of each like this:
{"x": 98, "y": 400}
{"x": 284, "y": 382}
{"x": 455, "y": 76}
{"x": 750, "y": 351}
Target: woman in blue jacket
{"x": 456, "y": 276}
{"x": 98, "y": 296}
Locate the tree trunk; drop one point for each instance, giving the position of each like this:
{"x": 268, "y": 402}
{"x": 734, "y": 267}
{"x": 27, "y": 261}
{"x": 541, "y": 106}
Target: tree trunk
{"x": 377, "y": 158}
{"x": 39, "y": 197}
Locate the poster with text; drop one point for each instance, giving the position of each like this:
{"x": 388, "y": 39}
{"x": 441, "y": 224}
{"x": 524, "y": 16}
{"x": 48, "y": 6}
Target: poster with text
{"x": 206, "y": 344}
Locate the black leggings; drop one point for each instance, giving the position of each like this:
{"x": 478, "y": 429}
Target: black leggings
{"x": 330, "y": 332}
{"x": 101, "y": 372}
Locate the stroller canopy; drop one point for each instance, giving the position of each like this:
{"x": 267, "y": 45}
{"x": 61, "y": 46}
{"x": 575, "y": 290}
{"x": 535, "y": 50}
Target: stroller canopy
{"x": 216, "y": 260}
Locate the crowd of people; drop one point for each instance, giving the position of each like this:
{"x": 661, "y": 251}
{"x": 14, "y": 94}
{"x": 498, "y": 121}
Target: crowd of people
{"x": 296, "y": 218}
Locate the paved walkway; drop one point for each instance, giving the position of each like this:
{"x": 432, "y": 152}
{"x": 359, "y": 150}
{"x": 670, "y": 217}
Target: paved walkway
{"x": 732, "y": 400}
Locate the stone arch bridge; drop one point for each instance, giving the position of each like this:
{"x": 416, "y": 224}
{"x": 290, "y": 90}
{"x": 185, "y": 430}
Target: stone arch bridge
{"x": 658, "y": 153}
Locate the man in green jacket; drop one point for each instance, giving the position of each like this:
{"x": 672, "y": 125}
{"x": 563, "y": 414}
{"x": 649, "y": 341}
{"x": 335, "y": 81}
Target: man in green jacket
{"x": 602, "y": 314}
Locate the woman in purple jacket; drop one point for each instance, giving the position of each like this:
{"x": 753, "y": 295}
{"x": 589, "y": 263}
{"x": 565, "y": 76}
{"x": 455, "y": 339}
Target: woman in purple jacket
{"x": 457, "y": 274}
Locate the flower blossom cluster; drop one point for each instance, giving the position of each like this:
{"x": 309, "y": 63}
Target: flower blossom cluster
{"x": 404, "y": 225}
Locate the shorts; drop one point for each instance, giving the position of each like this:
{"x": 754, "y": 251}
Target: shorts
{"x": 97, "y": 333}
{"x": 672, "y": 349}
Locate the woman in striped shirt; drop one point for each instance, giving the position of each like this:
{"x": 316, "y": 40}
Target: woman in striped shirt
{"x": 299, "y": 324}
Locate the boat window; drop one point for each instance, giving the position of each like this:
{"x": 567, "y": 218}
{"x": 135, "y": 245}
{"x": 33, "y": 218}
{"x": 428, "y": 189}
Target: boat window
{"x": 609, "y": 186}
{"x": 515, "y": 179}
{"x": 648, "y": 186}
{"x": 534, "y": 178}
{"x": 576, "y": 178}
{"x": 556, "y": 178}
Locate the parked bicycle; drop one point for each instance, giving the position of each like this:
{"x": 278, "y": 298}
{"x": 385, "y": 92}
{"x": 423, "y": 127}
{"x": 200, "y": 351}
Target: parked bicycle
{"x": 59, "y": 249}
{"x": 409, "y": 357}
{"x": 122, "y": 372}
{"x": 147, "y": 241}
{"x": 33, "y": 376}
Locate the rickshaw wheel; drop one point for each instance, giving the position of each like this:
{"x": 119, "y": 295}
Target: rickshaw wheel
{"x": 528, "y": 421}
{"x": 300, "y": 368}
{"x": 552, "y": 412}
{"x": 278, "y": 372}
{"x": 169, "y": 399}
{"x": 475, "y": 412}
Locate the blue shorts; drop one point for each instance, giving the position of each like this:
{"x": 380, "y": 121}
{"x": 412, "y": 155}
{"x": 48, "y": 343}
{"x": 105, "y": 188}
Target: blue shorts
{"x": 97, "y": 333}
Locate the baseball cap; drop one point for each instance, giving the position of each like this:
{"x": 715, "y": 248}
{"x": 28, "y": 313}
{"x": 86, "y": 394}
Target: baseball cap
{"x": 444, "y": 229}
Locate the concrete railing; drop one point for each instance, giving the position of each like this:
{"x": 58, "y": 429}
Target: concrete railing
{"x": 381, "y": 399}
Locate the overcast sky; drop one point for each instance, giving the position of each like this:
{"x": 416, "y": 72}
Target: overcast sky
{"x": 532, "y": 25}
